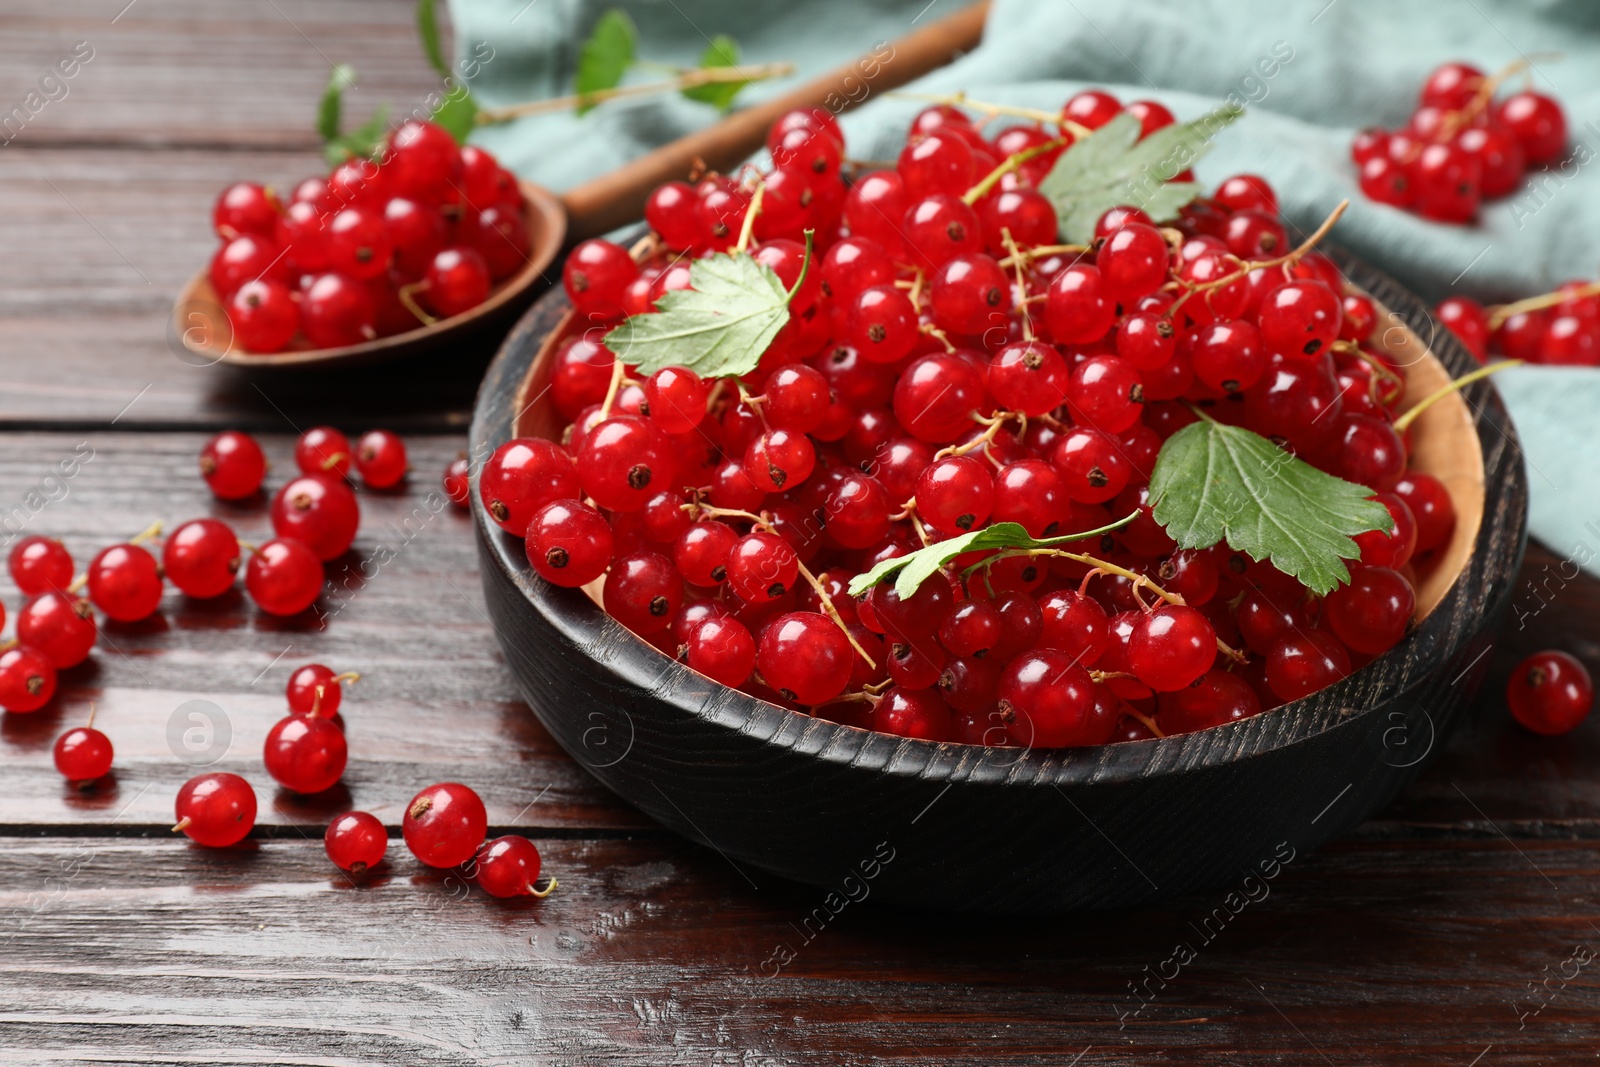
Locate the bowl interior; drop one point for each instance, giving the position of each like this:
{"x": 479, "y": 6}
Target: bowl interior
{"x": 202, "y": 325}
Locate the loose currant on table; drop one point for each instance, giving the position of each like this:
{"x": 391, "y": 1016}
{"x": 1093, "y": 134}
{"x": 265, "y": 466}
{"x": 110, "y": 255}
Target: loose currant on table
{"x": 215, "y": 810}
{"x": 83, "y": 754}
{"x": 356, "y": 842}
{"x": 444, "y": 824}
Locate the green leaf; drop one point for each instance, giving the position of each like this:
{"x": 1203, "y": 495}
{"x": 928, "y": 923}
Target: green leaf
{"x": 458, "y": 113}
{"x": 719, "y": 326}
{"x": 911, "y": 570}
{"x": 1113, "y": 167}
{"x": 361, "y": 141}
{"x": 330, "y": 110}
{"x": 1216, "y": 483}
{"x": 606, "y": 55}
{"x": 428, "y": 30}
{"x": 722, "y": 52}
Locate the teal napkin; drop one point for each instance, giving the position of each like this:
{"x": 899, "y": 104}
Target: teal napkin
{"x": 1310, "y": 74}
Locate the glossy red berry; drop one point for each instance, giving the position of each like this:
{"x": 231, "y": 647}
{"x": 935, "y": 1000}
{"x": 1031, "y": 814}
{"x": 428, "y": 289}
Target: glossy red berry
{"x": 264, "y": 315}
{"x": 509, "y": 867}
{"x": 722, "y": 649}
{"x": 623, "y": 462}
{"x": 1046, "y": 699}
{"x": 1448, "y": 183}
{"x": 381, "y": 459}
{"x": 216, "y": 810}
{"x": 356, "y": 842}
{"x": 457, "y": 280}
{"x": 319, "y": 511}
{"x": 315, "y": 689}
{"x": 1217, "y": 699}
{"x": 918, "y": 713}
{"x": 1171, "y": 647}
{"x": 358, "y": 244}
{"x": 336, "y": 311}
{"x": 323, "y": 450}
{"x": 1229, "y": 356}
{"x": 806, "y": 657}
{"x": 458, "y": 482}
{"x": 202, "y": 557}
{"x": 970, "y": 295}
{"x": 1431, "y": 505}
{"x": 595, "y": 275}
{"x": 955, "y": 494}
{"x": 1537, "y": 122}
{"x": 569, "y": 543}
{"x": 27, "y": 679}
{"x": 1079, "y": 306}
{"x": 423, "y": 162}
{"x": 39, "y": 564}
{"x": 83, "y": 754}
{"x": 522, "y": 476}
{"x": 245, "y": 259}
{"x": 444, "y": 824}
{"x": 283, "y": 576}
{"x": 762, "y": 567}
{"x": 305, "y": 753}
{"x": 936, "y": 397}
{"x": 59, "y": 626}
{"x": 125, "y": 582}
{"x": 643, "y": 591}
{"x": 1300, "y": 319}
{"x": 1305, "y": 661}
{"x": 1550, "y": 692}
{"x": 233, "y": 465}
{"x": 245, "y": 207}
{"x": 1371, "y": 612}
{"x": 1029, "y": 377}
{"x": 882, "y": 324}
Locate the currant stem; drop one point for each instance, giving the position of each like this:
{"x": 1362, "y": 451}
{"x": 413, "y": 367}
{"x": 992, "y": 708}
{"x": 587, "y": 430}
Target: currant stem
{"x": 183, "y": 824}
{"x": 1012, "y": 162}
{"x": 546, "y": 891}
{"x": 1249, "y": 265}
{"x": 687, "y": 80}
{"x": 933, "y": 331}
{"x": 748, "y": 230}
{"x": 961, "y": 100}
{"x": 334, "y": 460}
{"x": 805, "y": 264}
{"x": 1404, "y": 422}
{"x": 833, "y": 613}
{"x": 1041, "y": 251}
{"x": 1501, "y": 312}
{"x": 92, "y": 709}
{"x": 151, "y": 531}
{"x": 618, "y": 371}
{"x": 406, "y": 296}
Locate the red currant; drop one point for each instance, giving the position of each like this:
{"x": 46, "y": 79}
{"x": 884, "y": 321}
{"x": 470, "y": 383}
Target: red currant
{"x": 381, "y": 459}
{"x": 522, "y": 476}
{"x": 1550, "y": 692}
{"x": 216, "y": 810}
{"x": 509, "y": 867}
{"x": 356, "y": 842}
{"x": 83, "y": 754}
{"x": 569, "y": 543}
{"x": 806, "y": 657}
{"x": 444, "y": 824}
{"x": 317, "y": 690}
{"x": 283, "y": 576}
{"x": 38, "y": 565}
{"x": 319, "y": 511}
{"x": 59, "y": 626}
{"x": 27, "y": 679}
{"x": 233, "y": 465}
{"x": 643, "y": 592}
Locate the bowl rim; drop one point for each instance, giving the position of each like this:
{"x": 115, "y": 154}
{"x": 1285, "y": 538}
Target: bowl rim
{"x": 629, "y": 659}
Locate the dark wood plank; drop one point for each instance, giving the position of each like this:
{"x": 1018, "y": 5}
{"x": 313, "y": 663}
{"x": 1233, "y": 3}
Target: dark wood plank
{"x": 213, "y": 73}
{"x": 435, "y": 701}
{"x": 655, "y": 952}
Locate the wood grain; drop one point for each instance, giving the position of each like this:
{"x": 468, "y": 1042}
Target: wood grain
{"x": 655, "y": 952}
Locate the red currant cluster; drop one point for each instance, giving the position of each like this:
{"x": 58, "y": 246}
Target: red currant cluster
{"x": 947, "y": 365}
{"x": 314, "y": 517}
{"x": 1560, "y": 328}
{"x": 444, "y": 825}
{"x": 1461, "y": 145}
{"x": 375, "y": 248}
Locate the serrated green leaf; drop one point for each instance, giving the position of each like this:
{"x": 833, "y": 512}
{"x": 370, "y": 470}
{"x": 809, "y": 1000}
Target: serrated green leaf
{"x": 719, "y": 326}
{"x": 1113, "y": 167}
{"x": 1216, "y": 483}
{"x": 722, "y": 52}
{"x": 606, "y": 55}
{"x": 428, "y": 31}
{"x": 458, "y": 113}
{"x": 911, "y": 570}
{"x": 330, "y": 110}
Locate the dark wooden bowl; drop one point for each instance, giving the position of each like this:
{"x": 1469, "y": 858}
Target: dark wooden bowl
{"x": 201, "y": 326}
{"x": 953, "y": 826}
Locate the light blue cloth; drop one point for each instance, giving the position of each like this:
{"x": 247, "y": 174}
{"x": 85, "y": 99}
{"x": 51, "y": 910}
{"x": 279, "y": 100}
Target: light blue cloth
{"x": 1309, "y": 73}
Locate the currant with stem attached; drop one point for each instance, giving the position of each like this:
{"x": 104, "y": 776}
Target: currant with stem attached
{"x": 315, "y": 689}
{"x": 283, "y": 576}
{"x": 39, "y": 564}
{"x": 201, "y": 557}
{"x": 306, "y": 753}
{"x": 83, "y": 754}
{"x": 215, "y": 810}
{"x": 58, "y": 626}
{"x": 323, "y": 450}
{"x": 124, "y": 580}
{"x": 509, "y": 867}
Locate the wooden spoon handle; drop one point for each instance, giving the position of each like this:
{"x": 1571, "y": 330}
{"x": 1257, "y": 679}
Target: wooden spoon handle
{"x": 616, "y": 199}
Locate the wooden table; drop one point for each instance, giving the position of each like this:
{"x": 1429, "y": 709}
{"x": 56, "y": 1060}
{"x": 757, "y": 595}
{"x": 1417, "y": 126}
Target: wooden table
{"x": 1446, "y": 931}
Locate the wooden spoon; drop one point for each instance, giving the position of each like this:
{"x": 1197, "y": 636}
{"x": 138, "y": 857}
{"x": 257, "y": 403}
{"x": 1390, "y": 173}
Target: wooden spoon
{"x": 598, "y": 206}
